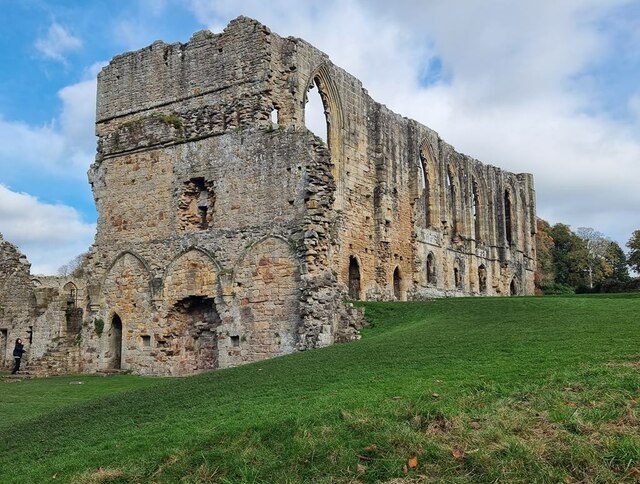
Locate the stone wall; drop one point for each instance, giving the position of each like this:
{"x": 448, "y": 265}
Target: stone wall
{"x": 229, "y": 233}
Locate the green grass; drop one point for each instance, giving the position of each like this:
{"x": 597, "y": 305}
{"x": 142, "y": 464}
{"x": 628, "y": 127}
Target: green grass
{"x": 476, "y": 389}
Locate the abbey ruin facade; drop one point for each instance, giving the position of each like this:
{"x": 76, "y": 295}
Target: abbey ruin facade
{"x": 228, "y": 232}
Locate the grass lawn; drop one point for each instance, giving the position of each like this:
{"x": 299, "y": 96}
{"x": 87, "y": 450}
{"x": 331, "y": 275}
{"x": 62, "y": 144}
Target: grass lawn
{"x": 456, "y": 390}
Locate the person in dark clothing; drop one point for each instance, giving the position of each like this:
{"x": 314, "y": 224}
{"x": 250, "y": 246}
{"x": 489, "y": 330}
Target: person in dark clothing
{"x": 17, "y": 355}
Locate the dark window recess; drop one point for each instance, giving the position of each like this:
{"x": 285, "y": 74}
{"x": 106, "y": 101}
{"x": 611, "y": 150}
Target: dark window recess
{"x": 146, "y": 340}
{"x": 235, "y": 341}
{"x": 196, "y": 204}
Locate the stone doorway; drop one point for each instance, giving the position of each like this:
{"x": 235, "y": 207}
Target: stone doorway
{"x": 513, "y": 288}
{"x": 397, "y": 283}
{"x": 114, "y": 361}
{"x": 354, "y": 278}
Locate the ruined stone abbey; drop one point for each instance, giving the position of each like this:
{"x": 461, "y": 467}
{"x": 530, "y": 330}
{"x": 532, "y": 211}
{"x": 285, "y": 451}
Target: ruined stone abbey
{"x": 229, "y": 233}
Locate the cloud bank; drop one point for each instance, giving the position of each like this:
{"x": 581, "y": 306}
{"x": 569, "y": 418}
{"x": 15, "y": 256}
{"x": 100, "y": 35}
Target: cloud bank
{"x": 50, "y": 235}
{"x": 507, "y": 82}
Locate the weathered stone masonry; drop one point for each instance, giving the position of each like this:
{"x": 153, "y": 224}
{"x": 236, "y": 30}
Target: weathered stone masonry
{"x": 229, "y": 233}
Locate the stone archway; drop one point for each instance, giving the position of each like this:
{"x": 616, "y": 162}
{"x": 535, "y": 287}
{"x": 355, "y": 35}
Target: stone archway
{"x": 397, "y": 284}
{"x": 354, "y": 278}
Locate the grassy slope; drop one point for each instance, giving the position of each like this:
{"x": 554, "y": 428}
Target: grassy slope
{"x": 476, "y": 389}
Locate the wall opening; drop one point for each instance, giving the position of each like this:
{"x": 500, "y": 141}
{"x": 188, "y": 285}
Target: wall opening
{"x": 114, "y": 361}
{"x": 196, "y": 204}
{"x": 475, "y": 207}
{"x": 354, "y": 278}
{"x": 146, "y": 340}
{"x": 513, "y": 288}
{"x": 198, "y": 319}
{"x": 275, "y": 117}
{"x": 70, "y": 293}
{"x": 397, "y": 283}
{"x": 457, "y": 274}
{"x": 316, "y": 117}
{"x": 426, "y": 192}
{"x": 235, "y": 341}
{"x": 508, "y": 214}
{"x": 431, "y": 269}
{"x": 3, "y": 346}
{"x": 482, "y": 279}
{"x": 453, "y": 196}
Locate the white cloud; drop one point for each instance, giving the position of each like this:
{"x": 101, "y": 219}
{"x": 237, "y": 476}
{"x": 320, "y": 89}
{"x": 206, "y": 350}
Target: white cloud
{"x": 65, "y": 146}
{"x": 513, "y": 95}
{"x": 49, "y": 235}
{"x": 57, "y": 43}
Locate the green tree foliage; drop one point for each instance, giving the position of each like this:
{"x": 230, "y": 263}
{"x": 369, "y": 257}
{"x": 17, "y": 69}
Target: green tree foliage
{"x": 545, "y": 274}
{"x": 598, "y": 269}
{"x": 617, "y": 261}
{"x": 634, "y": 251}
{"x": 570, "y": 256}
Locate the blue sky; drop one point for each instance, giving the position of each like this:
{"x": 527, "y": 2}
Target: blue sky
{"x": 540, "y": 86}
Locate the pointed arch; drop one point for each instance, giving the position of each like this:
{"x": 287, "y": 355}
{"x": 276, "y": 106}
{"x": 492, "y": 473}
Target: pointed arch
{"x": 482, "y": 279}
{"x": 480, "y": 207}
{"x": 397, "y": 284}
{"x": 127, "y": 282}
{"x": 431, "y": 269}
{"x": 354, "y": 278}
{"x": 192, "y": 273}
{"x": 453, "y": 194}
{"x": 266, "y": 281}
{"x": 509, "y": 217}
{"x": 429, "y": 175}
{"x": 334, "y": 116}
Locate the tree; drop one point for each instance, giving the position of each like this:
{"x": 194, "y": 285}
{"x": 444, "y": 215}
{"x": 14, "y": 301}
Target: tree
{"x": 634, "y": 251}
{"x": 617, "y": 261}
{"x": 75, "y": 267}
{"x": 570, "y": 256}
{"x": 597, "y": 244}
{"x": 545, "y": 270}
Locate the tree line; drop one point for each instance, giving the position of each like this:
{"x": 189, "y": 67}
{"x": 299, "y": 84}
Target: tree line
{"x": 584, "y": 261}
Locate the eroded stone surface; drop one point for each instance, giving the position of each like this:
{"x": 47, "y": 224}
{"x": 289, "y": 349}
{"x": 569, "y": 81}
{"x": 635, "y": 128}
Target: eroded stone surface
{"x": 226, "y": 238}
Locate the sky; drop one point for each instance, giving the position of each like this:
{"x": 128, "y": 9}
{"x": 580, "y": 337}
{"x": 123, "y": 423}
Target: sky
{"x": 539, "y": 86}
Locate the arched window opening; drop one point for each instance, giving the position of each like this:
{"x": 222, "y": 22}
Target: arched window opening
{"x": 354, "y": 278}
{"x": 513, "y": 288}
{"x": 431, "y": 269}
{"x": 508, "y": 213}
{"x": 476, "y": 213}
{"x": 315, "y": 114}
{"x": 397, "y": 281}
{"x": 115, "y": 344}
{"x": 70, "y": 292}
{"x": 457, "y": 274}
{"x": 482, "y": 279}
{"x": 426, "y": 191}
{"x": 453, "y": 196}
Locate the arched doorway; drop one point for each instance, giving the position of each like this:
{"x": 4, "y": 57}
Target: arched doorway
{"x": 513, "y": 288}
{"x": 354, "y": 278}
{"x": 431, "y": 269}
{"x": 115, "y": 344}
{"x": 482, "y": 279}
{"x": 397, "y": 283}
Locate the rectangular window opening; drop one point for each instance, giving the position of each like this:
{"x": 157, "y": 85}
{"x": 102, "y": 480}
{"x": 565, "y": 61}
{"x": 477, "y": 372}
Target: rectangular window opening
{"x": 235, "y": 341}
